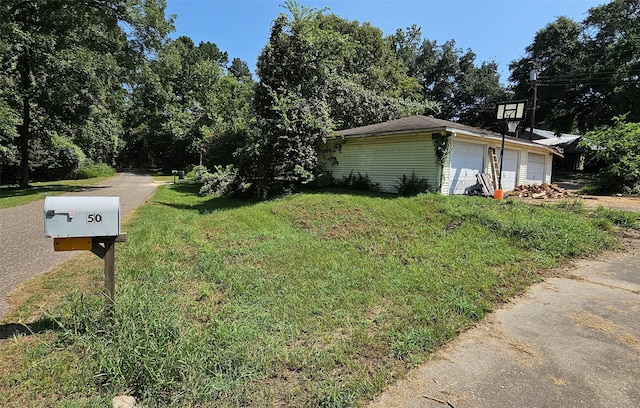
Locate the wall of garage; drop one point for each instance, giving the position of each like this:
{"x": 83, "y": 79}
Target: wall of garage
{"x": 461, "y": 168}
{"x": 385, "y": 159}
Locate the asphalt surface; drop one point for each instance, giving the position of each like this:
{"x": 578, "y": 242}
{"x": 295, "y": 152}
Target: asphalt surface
{"x": 568, "y": 342}
{"x": 24, "y": 250}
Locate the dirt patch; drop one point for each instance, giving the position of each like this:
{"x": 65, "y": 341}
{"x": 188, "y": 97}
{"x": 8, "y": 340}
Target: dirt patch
{"x": 591, "y": 202}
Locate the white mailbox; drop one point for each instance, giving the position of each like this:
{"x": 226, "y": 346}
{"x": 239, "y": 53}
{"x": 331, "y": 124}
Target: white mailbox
{"x": 72, "y": 216}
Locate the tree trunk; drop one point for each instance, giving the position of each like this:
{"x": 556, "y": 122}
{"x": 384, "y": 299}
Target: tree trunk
{"x": 25, "y": 129}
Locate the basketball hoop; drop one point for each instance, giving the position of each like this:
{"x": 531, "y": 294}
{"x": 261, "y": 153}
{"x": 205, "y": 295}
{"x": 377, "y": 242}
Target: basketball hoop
{"x": 512, "y": 125}
{"x": 511, "y": 113}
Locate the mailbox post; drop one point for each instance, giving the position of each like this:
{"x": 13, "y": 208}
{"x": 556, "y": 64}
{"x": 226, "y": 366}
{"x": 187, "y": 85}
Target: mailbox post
{"x": 86, "y": 223}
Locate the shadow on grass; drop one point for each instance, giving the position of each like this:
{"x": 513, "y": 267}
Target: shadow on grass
{"x": 10, "y": 192}
{"x": 221, "y": 203}
{"x": 9, "y": 330}
{"x": 208, "y": 206}
{"x": 351, "y": 192}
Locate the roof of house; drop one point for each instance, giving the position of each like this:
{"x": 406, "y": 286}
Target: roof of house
{"x": 428, "y": 124}
{"x": 411, "y": 124}
{"x": 550, "y": 138}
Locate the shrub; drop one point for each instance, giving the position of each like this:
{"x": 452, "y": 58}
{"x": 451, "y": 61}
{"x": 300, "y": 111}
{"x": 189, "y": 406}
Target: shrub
{"x": 199, "y": 172}
{"x": 56, "y": 159}
{"x": 359, "y": 182}
{"x": 91, "y": 170}
{"x": 410, "y": 186}
{"x": 616, "y": 147}
{"x": 224, "y": 182}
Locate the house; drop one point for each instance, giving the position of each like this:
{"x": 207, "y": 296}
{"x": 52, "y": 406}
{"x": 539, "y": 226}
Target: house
{"x": 572, "y": 159}
{"x": 387, "y": 151}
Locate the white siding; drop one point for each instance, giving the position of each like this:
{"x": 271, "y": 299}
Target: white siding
{"x": 387, "y": 158}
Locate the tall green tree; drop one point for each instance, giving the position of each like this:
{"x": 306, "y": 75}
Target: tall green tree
{"x": 558, "y": 56}
{"x": 66, "y": 61}
{"x": 467, "y": 92}
{"x": 613, "y": 44}
{"x": 617, "y": 149}
{"x": 319, "y": 73}
{"x": 187, "y": 104}
{"x": 588, "y": 73}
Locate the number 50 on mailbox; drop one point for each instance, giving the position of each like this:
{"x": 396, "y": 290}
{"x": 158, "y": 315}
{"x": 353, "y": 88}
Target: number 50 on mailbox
{"x": 80, "y": 217}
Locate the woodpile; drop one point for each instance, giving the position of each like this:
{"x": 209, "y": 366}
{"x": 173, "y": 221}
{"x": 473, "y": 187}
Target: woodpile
{"x": 540, "y": 191}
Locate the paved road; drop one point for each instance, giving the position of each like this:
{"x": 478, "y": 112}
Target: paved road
{"x": 568, "y": 342}
{"x": 25, "y": 252}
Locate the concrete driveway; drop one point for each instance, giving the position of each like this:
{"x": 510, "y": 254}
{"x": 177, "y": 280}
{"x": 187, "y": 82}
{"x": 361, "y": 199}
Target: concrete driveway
{"x": 25, "y": 252}
{"x": 572, "y": 341}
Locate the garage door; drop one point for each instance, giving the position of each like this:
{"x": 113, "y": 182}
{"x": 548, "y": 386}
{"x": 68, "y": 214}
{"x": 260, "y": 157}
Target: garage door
{"x": 509, "y": 169}
{"x": 535, "y": 168}
{"x": 467, "y": 160}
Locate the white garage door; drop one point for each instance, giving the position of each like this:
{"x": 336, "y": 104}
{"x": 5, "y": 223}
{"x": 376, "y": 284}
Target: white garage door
{"x": 467, "y": 160}
{"x": 535, "y": 168}
{"x": 509, "y": 169}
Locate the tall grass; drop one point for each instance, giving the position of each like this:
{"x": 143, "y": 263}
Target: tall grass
{"x": 308, "y": 300}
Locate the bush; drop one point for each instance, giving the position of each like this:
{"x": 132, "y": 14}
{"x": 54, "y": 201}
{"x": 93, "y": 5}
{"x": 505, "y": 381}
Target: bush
{"x": 410, "y": 186}
{"x": 56, "y": 159}
{"x": 616, "y": 147}
{"x": 359, "y": 182}
{"x": 224, "y": 182}
{"x": 92, "y": 170}
{"x": 199, "y": 172}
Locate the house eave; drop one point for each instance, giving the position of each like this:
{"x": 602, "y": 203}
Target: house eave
{"x": 454, "y": 132}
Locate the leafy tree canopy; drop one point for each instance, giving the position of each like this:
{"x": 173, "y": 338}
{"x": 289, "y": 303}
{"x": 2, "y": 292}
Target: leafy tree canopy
{"x": 320, "y": 73}
{"x": 588, "y": 72}
{"x": 617, "y": 149}
{"x": 64, "y": 63}
{"x": 447, "y": 74}
{"x": 188, "y": 105}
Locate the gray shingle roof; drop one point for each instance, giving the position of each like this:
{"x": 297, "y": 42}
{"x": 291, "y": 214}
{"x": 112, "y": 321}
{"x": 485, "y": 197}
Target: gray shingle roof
{"x": 412, "y": 123}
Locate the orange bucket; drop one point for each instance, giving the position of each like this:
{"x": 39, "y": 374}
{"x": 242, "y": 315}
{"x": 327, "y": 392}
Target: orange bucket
{"x": 498, "y": 195}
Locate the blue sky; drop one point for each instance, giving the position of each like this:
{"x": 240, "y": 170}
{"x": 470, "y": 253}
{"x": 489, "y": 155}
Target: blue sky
{"x": 497, "y": 30}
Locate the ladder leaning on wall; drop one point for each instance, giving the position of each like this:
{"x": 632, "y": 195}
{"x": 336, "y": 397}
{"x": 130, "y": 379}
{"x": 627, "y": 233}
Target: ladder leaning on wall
{"x": 495, "y": 167}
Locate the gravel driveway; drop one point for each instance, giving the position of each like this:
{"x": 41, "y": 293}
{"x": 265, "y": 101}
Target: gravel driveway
{"x": 24, "y": 250}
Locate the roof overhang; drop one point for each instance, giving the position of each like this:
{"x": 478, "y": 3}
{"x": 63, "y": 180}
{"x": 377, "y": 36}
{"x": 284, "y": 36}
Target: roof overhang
{"x": 453, "y": 131}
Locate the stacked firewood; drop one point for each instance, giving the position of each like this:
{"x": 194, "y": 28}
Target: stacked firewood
{"x": 540, "y": 191}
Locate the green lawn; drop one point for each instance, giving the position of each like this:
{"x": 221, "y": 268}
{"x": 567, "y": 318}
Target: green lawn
{"x": 317, "y": 299}
{"x": 12, "y": 196}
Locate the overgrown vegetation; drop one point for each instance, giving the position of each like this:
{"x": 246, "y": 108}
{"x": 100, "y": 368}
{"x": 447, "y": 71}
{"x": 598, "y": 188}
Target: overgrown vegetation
{"x": 617, "y": 149}
{"x": 317, "y": 299}
{"x": 92, "y": 170}
{"x": 224, "y": 181}
{"x": 412, "y": 185}
{"x": 359, "y": 182}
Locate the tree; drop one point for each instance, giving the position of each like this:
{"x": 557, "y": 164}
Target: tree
{"x": 466, "y": 92}
{"x": 613, "y": 44}
{"x": 8, "y": 122}
{"x": 66, "y": 59}
{"x": 557, "y": 53}
{"x": 588, "y": 73}
{"x": 319, "y": 73}
{"x": 187, "y": 105}
{"x": 617, "y": 149}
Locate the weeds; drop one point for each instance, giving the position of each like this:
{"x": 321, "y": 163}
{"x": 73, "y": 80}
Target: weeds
{"x": 318, "y": 299}
{"x": 409, "y": 186}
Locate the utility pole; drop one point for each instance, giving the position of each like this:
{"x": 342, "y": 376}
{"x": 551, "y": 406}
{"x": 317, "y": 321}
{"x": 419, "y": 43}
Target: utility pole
{"x": 533, "y": 76}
